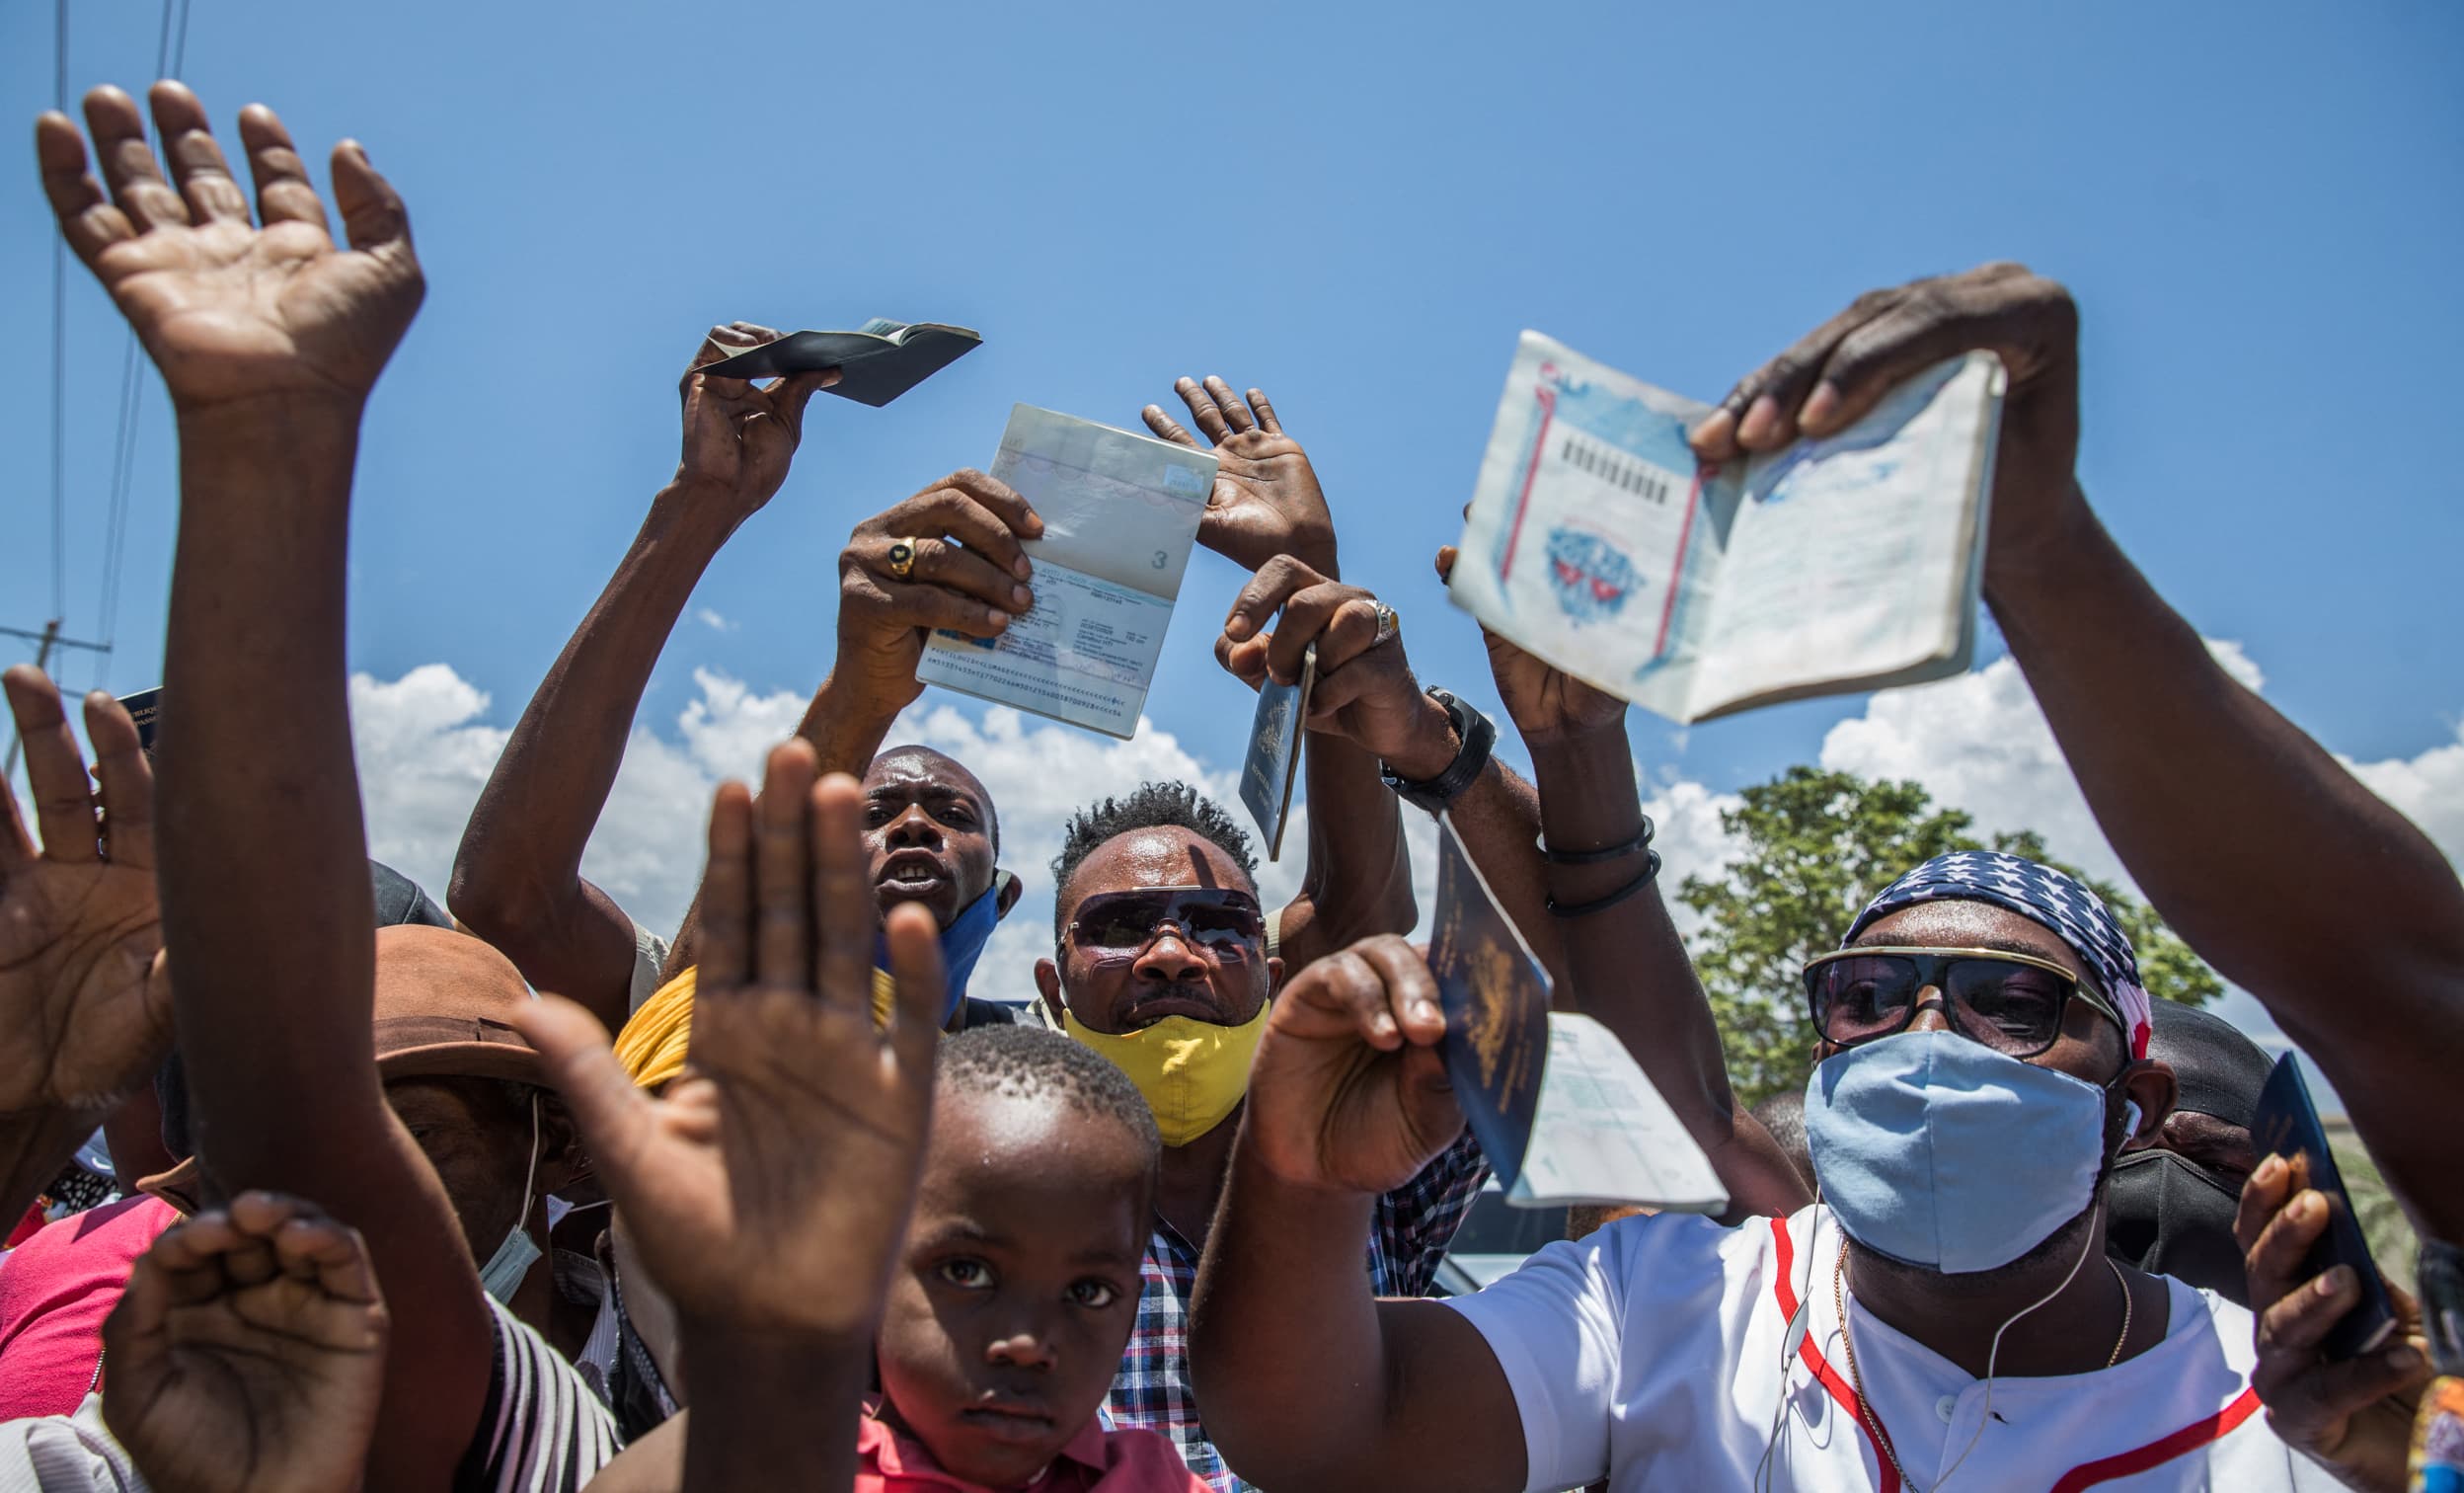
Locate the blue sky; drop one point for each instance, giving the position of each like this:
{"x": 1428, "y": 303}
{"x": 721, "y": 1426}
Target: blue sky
{"x": 1356, "y": 207}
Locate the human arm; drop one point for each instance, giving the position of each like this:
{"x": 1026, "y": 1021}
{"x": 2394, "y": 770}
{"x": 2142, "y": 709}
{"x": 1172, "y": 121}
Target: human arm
{"x": 247, "y": 1353}
{"x": 517, "y": 878}
{"x": 2352, "y": 1417}
{"x": 1268, "y": 512}
{"x": 963, "y": 570}
{"x": 768, "y": 1188}
{"x": 87, "y": 1013}
{"x": 269, "y": 339}
{"x": 2270, "y": 859}
{"x": 1308, "y": 1380}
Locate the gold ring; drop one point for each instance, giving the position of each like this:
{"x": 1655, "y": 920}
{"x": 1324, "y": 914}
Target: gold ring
{"x": 901, "y": 558}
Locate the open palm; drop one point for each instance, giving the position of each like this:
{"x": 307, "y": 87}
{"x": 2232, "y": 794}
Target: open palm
{"x": 770, "y": 1185}
{"x": 231, "y": 311}
{"x": 86, "y": 1014}
{"x": 1266, "y": 500}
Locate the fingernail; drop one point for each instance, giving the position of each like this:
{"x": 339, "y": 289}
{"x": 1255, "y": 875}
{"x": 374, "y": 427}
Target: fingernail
{"x": 2313, "y": 1206}
{"x": 1035, "y": 521}
{"x": 1022, "y": 568}
{"x": 1762, "y": 421}
{"x": 2334, "y": 1280}
{"x": 2268, "y": 1170}
{"x": 1717, "y": 429}
{"x": 2405, "y": 1359}
{"x": 1821, "y": 407}
{"x": 1427, "y": 1010}
{"x": 1385, "y": 1024}
{"x": 1237, "y": 629}
{"x": 997, "y": 617}
{"x": 1020, "y": 596}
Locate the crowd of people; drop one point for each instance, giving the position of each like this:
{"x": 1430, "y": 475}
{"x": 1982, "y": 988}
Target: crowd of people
{"x": 814, "y": 1216}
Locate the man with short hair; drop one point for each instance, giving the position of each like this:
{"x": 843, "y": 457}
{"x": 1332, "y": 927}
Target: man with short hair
{"x": 1983, "y": 1060}
{"x": 1159, "y": 964}
{"x": 2172, "y": 1203}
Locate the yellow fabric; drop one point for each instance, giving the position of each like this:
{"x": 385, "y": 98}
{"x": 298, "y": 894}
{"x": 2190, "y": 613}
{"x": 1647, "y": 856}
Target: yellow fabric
{"x": 654, "y": 1044}
{"x": 1192, "y": 1072}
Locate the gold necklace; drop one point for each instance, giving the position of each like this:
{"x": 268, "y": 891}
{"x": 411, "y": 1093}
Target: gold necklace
{"x": 1865, "y": 1411}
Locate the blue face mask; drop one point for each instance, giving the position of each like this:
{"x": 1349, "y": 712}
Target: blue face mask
{"x": 1937, "y": 1152}
{"x": 961, "y": 943}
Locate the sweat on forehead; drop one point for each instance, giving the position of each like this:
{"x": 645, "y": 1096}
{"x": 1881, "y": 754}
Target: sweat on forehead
{"x": 913, "y": 763}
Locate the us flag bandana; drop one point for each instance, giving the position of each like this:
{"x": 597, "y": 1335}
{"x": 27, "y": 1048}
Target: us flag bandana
{"x": 2040, "y": 893}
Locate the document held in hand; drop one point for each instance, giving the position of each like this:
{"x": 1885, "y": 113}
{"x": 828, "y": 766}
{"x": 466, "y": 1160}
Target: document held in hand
{"x": 876, "y": 362}
{"x": 1276, "y": 735}
{"x": 1120, "y": 514}
{"x": 1598, "y": 544}
{"x": 1560, "y": 1109}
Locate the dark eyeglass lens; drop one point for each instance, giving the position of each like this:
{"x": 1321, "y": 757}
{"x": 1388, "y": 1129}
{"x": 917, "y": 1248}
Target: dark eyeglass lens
{"x": 1862, "y": 996}
{"x": 1119, "y": 922}
{"x": 1128, "y": 920}
{"x": 1221, "y": 923}
{"x": 2011, "y": 1007}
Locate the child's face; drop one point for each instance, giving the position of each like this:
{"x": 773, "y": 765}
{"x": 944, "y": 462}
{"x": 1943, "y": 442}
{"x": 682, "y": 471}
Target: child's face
{"x": 1003, "y": 1331}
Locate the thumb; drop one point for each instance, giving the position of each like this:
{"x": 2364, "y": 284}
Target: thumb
{"x": 373, "y": 212}
{"x": 611, "y": 1112}
{"x": 795, "y": 392}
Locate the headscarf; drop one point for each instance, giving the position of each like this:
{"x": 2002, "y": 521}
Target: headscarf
{"x": 2042, "y": 895}
{"x": 653, "y": 1045}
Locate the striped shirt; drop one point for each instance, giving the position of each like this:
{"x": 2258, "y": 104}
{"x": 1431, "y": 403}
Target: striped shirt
{"x": 1408, "y": 1239}
{"x": 541, "y": 1428}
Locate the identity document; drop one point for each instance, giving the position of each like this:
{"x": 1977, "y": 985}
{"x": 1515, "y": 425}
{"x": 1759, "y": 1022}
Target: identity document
{"x": 1119, "y": 515}
{"x": 1598, "y": 543}
{"x": 1562, "y": 1111}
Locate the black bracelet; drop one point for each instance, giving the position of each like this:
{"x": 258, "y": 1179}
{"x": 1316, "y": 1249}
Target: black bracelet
{"x": 1651, "y": 873}
{"x": 1641, "y": 841}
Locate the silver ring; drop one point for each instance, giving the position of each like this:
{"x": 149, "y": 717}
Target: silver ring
{"x": 1388, "y": 625}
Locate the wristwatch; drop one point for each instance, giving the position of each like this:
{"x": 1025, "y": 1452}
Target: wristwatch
{"x": 1477, "y": 734}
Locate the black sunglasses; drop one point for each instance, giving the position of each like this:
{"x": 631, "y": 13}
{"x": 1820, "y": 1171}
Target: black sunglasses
{"x": 1116, "y": 926}
{"x": 2013, "y": 1003}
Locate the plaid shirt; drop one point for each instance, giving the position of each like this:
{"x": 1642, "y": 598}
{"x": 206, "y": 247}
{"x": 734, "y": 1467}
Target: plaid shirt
{"x": 1407, "y": 1238}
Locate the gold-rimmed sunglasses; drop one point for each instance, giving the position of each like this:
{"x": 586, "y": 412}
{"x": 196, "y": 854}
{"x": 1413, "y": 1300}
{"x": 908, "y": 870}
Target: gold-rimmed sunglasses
{"x": 2013, "y": 1003}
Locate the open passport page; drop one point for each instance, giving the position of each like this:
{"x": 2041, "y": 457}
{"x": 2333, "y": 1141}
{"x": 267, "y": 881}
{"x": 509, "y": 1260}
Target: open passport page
{"x": 1120, "y": 514}
{"x": 1562, "y": 1111}
{"x": 1597, "y": 543}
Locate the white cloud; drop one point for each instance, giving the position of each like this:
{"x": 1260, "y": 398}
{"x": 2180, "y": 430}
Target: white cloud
{"x": 1977, "y": 742}
{"x": 710, "y": 619}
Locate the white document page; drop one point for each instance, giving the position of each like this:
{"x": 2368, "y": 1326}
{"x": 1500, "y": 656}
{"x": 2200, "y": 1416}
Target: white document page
{"x": 1604, "y": 1135}
{"x": 1121, "y": 513}
{"x": 1852, "y": 556}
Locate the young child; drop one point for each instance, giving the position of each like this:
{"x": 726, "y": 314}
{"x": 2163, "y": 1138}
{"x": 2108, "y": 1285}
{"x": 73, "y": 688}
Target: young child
{"x": 1020, "y": 1280}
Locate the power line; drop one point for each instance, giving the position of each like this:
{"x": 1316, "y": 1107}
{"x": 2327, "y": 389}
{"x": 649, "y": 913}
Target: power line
{"x": 59, "y": 338}
{"x": 171, "y": 52}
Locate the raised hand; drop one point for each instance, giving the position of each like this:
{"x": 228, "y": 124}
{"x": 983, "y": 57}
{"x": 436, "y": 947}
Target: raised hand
{"x": 1365, "y": 691}
{"x": 1348, "y": 1091}
{"x": 1546, "y": 704}
{"x": 740, "y": 435}
{"x": 248, "y": 1353}
{"x": 1841, "y": 369}
{"x": 231, "y": 311}
{"x": 1267, "y": 501}
{"x": 87, "y": 1013}
{"x": 956, "y": 544}
{"x": 2355, "y": 1417}
{"x": 768, "y": 1187}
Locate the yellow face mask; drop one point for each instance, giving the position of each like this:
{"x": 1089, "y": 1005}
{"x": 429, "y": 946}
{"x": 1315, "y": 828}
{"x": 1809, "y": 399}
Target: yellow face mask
{"x": 1192, "y": 1072}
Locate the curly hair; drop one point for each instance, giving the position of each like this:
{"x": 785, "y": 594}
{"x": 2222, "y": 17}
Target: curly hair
{"x": 1154, "y": 806}
{"x": 1022, "y": 1062}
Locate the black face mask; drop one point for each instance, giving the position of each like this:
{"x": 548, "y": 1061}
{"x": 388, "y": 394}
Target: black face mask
{"x": 2169, "y": 1216}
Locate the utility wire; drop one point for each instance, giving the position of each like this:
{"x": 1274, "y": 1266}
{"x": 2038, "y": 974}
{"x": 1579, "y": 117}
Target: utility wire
{"x": 171, "y": 51}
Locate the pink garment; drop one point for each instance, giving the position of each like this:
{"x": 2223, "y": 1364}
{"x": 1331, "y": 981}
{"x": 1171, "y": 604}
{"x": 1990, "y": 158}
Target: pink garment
{"x": 1096, "y": 1460}
{"x": 56, "y": 1290}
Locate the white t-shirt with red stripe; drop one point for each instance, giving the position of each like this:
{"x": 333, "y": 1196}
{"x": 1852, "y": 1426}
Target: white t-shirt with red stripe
{"x": 1651, "y": 1353}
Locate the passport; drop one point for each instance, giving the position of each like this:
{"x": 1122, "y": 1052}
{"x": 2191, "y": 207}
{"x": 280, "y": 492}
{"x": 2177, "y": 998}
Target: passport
{"x": 876, "y": 362}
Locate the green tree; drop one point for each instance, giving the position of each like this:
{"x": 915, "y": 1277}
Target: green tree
{"x": 1818, "y": 846}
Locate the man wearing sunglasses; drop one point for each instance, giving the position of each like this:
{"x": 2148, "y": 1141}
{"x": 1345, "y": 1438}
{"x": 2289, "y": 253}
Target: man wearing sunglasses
{"x": 1159, "y": 964}
{"x": 1945, "y": 1313}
